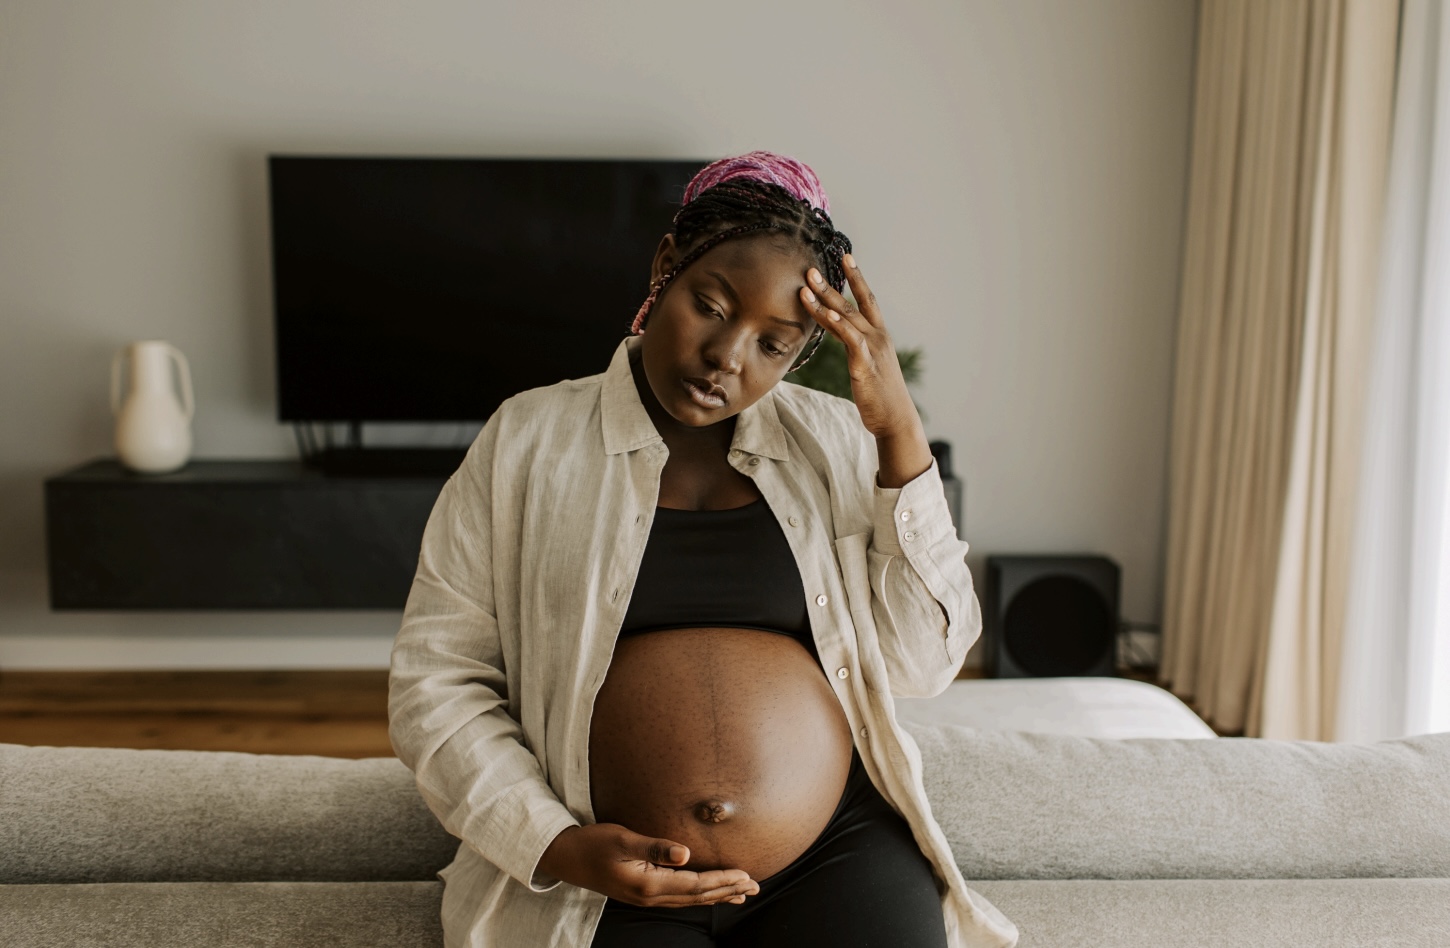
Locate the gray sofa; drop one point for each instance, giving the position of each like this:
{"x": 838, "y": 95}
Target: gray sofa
{"x": 1081, "y": 841}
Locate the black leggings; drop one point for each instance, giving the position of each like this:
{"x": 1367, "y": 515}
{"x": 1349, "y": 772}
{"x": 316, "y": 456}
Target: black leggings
{"x": 863, "y": 882}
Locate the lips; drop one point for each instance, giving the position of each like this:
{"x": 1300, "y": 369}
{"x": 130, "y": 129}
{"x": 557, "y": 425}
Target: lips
{"x": 705, "y": 393}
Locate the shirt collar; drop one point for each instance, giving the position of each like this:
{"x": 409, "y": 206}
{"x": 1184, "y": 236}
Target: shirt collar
{"x": 627, "y": 425}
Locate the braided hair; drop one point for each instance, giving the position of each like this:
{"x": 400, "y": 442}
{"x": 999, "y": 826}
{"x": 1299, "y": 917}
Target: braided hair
{"x": 753, "y": 193}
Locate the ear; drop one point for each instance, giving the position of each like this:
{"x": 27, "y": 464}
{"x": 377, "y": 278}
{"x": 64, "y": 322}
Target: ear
{"x": 666, "y": 256}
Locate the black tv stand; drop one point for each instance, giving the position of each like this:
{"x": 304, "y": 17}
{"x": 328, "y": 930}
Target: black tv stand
{"x": 387, "y": 462}
{"x": 235, "y": 534}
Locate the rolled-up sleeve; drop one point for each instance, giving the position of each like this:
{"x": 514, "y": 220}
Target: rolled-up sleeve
{"x": 923, "y": 600}
{"x": 448, "y": 717}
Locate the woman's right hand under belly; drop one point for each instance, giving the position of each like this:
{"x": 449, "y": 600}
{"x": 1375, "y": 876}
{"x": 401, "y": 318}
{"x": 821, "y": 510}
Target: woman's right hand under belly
{"x": 639, "y": 870}
{"x": 727, "y": 741}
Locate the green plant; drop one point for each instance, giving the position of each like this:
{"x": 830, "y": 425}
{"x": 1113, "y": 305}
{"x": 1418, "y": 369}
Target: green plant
{"x": 826, "y": 370}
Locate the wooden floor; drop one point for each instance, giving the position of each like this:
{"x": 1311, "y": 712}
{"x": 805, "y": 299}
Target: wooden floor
{"x": 325, "y": 712}
{"x": 331, "y": 713}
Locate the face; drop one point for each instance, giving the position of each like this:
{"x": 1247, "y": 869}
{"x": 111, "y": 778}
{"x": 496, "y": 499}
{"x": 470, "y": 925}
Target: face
{"x": 733, "y": 318}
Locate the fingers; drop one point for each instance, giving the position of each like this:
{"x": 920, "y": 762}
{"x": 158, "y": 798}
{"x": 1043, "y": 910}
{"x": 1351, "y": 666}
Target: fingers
{"x": 833, "y": 302}
{"x": 646, "y": 872}
{"x": 834, "y": 322}
{"x": 739, "y": 899}
{"x": 678, "y": 887}
{"x": 712, "y": 879}
{"x": 865, "y": 299}
{"x": 665, "y": 852}
{"x": 730, "y": 893}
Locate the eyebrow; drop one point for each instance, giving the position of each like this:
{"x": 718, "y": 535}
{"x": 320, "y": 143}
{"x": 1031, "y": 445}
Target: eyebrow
{"x": 800, "y": 327}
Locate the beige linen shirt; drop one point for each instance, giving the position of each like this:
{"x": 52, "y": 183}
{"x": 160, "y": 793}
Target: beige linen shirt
{"x": 527, "y": 564}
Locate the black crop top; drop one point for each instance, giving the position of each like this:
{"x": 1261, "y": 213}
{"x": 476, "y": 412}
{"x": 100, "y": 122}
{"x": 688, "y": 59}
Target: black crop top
{"x": 730, "y": 568}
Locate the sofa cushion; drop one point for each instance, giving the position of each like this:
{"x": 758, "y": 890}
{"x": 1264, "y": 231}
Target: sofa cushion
{"x": 1017, "y": 805}
{"x": 223, "y": 915}
{"x": 1226, "y": 913}
{"x": 1178, "y": 913}
{"x": 100, "y": 814}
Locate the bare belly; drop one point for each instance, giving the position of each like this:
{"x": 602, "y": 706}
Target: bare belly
{"x": 730, "y": 741}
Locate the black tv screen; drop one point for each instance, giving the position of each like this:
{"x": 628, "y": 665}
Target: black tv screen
{"x": 431, "y": 289}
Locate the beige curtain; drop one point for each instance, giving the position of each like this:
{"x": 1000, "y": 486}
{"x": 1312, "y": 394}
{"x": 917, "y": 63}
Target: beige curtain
{"x": 1292, "y": 105}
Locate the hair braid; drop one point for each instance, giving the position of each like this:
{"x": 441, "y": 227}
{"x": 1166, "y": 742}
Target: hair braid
{"x": 738, "y": 196}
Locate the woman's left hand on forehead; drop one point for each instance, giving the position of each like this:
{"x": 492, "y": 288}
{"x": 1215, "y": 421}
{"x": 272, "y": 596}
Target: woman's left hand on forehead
{"x": 877, "y": 385}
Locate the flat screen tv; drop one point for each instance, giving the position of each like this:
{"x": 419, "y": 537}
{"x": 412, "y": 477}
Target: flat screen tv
{"x": 429, "y": 289}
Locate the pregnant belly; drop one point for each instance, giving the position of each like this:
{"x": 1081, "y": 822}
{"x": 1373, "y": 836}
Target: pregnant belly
{"x": 729, "y": 741}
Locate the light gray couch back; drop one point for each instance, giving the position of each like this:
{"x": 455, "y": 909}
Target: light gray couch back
{"x": 1013, "y": 805}
{"x": 1017, "y": 805}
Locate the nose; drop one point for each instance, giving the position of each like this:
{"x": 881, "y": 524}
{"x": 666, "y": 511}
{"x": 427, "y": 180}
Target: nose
{"x": 723, "y": 348}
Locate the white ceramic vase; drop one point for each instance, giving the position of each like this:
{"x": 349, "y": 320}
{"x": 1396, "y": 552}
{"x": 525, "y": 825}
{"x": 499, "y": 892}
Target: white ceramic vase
{"x": 153, "y": 427}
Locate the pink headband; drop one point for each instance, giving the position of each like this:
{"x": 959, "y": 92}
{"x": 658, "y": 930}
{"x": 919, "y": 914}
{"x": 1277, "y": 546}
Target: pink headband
{"x": 794, "y": 176}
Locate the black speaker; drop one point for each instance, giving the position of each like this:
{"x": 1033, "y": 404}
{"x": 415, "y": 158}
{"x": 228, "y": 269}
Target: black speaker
{"x": 1049, "y": 616}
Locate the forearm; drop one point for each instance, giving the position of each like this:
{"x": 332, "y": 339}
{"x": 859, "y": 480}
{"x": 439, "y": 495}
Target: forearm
{"x": 925, "y": 608}
{"x": 902, "y": 457}
{"x": 482, "y": 782}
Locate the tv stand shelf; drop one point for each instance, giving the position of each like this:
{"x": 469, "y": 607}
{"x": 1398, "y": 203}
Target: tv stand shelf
{"x": 390, "y": 462}
{"x": 236, "y": 534}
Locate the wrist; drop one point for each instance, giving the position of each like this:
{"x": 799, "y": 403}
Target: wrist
{"x": 560, "y": 856}
{"x": 901, "y": 457}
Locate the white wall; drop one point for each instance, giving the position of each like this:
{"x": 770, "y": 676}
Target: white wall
{"x": 1012, "y": 173}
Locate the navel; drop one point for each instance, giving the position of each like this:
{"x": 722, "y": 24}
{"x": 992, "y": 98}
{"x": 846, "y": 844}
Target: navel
{"x": 714, "y": 811}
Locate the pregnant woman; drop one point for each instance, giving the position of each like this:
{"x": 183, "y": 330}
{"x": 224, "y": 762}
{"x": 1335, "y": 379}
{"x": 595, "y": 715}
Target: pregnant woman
{"x": 646, "y": 666}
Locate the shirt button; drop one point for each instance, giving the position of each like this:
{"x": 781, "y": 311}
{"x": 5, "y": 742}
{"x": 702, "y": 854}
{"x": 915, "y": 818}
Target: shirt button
{"x": 794, "y": 520}
{"x": 842, "y": 672}
{"x": 906, "y": 515}
{"x": 735, "y": 452}
{"x": 752, "y": 460}
{"x": 821, "y": 600}
{"x": 909, "y": 535}
{"x": 863, "y": 732}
